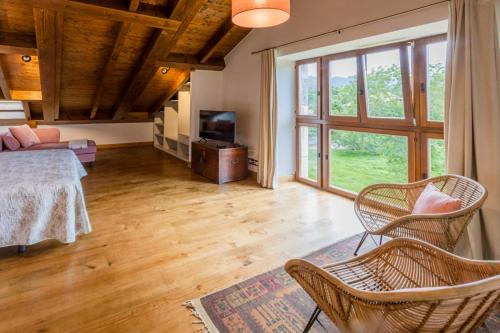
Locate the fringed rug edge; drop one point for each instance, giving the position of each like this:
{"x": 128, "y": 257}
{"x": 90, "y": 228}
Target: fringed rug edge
{"x": 198, "y": 311}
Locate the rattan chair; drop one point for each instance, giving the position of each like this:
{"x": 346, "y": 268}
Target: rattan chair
{"x": 405, "y": 285}
{"x": 385, "y": 210}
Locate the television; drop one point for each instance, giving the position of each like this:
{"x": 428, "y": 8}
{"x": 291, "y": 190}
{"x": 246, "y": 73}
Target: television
{"x": 218, "y": 125}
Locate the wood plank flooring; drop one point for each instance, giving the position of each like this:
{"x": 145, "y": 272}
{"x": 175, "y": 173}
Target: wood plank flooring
{"x": 161, "y": 236}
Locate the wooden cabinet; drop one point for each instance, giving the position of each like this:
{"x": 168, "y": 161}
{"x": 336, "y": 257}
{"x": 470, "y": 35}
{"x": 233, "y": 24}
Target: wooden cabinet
{"x": 221, "y": 163}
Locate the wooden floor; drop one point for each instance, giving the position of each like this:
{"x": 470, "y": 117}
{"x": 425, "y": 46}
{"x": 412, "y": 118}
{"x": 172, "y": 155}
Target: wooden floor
{"x": 161, "y": 236}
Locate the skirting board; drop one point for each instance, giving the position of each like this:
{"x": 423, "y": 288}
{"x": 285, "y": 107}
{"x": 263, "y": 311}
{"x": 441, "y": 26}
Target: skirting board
{"x": 125, "y": 145}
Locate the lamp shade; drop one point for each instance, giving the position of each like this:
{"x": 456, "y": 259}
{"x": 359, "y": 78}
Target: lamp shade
{"x": 260, "y": 13}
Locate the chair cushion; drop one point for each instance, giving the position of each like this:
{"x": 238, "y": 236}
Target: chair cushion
{"x": 48, "y": 134}
{"x": 25, "y": 135}
{"x": 11, "y": 142}
{"x": 433, "y": 201}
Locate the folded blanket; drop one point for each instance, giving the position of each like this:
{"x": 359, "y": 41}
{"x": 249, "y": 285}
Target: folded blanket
{"x": 78, "y": 144}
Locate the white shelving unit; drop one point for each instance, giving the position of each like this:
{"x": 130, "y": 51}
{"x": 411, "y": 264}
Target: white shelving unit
{"x": 172, "y": 134}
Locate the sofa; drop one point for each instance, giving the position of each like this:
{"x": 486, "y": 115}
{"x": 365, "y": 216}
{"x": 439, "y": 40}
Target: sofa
{"x": 50, "y": 138}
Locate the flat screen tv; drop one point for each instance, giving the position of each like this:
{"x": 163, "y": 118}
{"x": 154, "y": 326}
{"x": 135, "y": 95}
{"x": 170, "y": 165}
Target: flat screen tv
{"x": 218, "y": 125}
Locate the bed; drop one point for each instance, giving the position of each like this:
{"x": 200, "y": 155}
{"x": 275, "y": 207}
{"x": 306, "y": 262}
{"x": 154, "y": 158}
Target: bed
{"x": 41, "y": 197}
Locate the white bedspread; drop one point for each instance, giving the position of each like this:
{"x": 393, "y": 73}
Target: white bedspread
{"x": 41, "y": 197}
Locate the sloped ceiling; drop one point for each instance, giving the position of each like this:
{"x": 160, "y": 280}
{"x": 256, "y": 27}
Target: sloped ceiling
{"x": 102, "y": 60}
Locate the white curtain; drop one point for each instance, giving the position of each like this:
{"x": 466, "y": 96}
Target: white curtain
{"x": 472, "y": 125}
{"x": 266, "y": 175}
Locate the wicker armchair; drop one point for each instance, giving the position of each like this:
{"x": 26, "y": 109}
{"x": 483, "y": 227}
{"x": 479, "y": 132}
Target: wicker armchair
{"x": 385, "y": 210}
{"x": 405, "y": 285}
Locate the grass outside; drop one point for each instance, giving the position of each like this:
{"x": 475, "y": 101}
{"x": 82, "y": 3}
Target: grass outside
{"x": 354, "y": 170}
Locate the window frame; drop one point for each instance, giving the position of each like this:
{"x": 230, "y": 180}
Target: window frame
{"x": 414, "y": 126}
{"x": 424, "y": 152}
{"x": 420, "y": 80}
{"x": 319, "y": 171}
{"x": 326, "y": 152}
{"x": 297, "y": 88}
{"x": 360, "y": 103}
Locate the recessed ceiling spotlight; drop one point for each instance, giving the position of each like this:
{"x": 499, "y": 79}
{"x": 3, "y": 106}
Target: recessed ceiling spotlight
{"x": 165, "y": 70}
{"x": 26, "y": 58}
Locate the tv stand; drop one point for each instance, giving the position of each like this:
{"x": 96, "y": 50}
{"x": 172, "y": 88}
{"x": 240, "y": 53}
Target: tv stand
{"x": 220, "y": 162}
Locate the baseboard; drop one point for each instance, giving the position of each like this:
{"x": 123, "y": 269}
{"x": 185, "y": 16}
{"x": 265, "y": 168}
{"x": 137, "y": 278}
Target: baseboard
{"x": 125, "y": 145}
{"x": 286, "y": 179}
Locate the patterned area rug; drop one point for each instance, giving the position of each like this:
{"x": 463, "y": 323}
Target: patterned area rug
{"x": 273, "y": 302}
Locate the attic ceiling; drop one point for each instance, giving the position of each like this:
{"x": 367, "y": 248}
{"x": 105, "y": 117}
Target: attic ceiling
{"x": 102, "y": 60}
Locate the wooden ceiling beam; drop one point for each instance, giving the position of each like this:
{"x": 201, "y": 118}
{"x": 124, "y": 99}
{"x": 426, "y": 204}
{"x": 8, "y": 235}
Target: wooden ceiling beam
{"x": 160, "y": 45}
{"x": 15, "y": 43}
{"x": 103, "y": 11}
{"x": 179, "y": 82}
{"x": 49, "y": 33}
{"x": 4, "y": 85}
{"x": 215, "y": 41}
{"x": 123, "y": 29}
{"x": 182, "y": 61}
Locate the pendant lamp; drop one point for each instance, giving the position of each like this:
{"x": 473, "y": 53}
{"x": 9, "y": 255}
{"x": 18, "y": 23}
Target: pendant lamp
{"x": 260, "y": 13}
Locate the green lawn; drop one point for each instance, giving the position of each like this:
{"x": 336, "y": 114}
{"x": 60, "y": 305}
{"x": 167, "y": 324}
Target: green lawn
{"x": 354, "y": 170}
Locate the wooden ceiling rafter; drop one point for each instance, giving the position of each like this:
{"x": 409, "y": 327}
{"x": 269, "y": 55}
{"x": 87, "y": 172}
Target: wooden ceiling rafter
{"x": 123, "y": 30}
{"x": 49, "y": 35}
{"x": 215, "y": 41}
{"x": 181, "y": 80}
{"x": 160, "y": 45}
{"x": 191, "y": 62}
{"x": 99, "y": 10}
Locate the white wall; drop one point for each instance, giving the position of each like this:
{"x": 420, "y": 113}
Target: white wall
{"x": 241, "y": 77}
{"x": 206, "y": 94}
{"x": 110, "y": 133}
{"x": 285, "y": 76}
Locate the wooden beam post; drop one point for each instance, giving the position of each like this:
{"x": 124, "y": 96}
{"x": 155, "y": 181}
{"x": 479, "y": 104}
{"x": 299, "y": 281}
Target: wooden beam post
{"x": 123, "y": 29}
{"x": 160, "y": 45}
{"x": 4, "y": 85}
{"x": 27, "y": 110}
{"x": 208, "y": 50}
{"x": 49, "y": 33}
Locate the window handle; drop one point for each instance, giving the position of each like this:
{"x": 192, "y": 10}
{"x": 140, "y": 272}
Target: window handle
{"x": 422, "y": 87}
{"x": 361, "y": 92}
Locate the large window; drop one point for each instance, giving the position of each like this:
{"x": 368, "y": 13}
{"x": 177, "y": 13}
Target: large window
{"x": 372, "y": 116}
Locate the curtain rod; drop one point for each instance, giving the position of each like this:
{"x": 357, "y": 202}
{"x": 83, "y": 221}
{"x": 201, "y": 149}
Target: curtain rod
{"x": 352, "y": 26}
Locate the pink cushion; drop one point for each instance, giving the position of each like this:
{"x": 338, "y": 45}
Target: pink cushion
{"x": 48, "y": 135}
{"x": 433, "y": 201}
{"x": 25, "y": 135}
{"x": 49, "y": 145}
{"x": 1, "y": 142}
{"x": 11, "y": 142}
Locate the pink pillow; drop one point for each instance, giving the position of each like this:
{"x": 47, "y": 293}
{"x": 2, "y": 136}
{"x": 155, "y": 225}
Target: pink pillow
{"x": 1, "y": 142}
{"x": 48, "y": 135}
{"x": 433, "y": 201}
{"x": 25, "y": 135}
{"x": 11, "y": 142}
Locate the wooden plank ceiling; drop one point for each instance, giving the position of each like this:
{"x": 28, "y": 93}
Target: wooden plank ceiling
{"x": 105, "y": 60}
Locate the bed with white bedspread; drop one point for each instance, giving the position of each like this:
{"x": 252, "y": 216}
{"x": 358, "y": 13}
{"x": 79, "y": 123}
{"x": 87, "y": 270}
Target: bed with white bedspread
{"x": 41, "y": 197}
